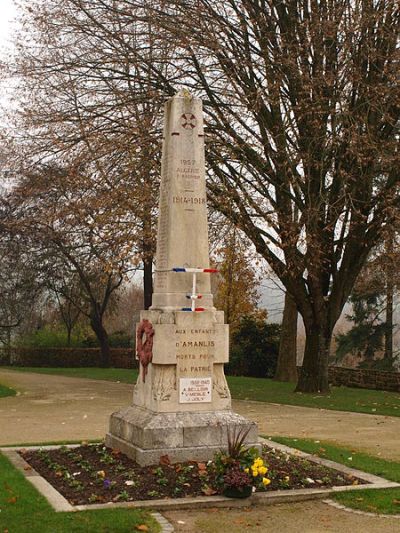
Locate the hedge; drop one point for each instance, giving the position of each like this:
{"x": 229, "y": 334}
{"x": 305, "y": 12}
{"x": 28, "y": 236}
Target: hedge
{"x": 66, "y": 357}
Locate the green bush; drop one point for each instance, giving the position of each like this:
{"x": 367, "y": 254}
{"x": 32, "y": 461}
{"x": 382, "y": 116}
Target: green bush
{"x": 66, "y": 357}
{"x": 254, "y": 348}
{"x": 119, "y": 339}
{"x": 378, "y": 364}
{"x": 57, "y": 338}
{"x": 89, "y": 342}
{"x": 48, "y": 338}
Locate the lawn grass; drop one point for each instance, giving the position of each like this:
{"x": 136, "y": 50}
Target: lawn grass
{"x": 262, "y": 390}
{"x": 24, "y": 509}
{"x": 381, "y": 501}
{"x": 341, "y": 398}
{"x": 6, "y": 391}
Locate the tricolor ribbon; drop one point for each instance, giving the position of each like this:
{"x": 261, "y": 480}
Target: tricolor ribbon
{"x": 194, "y": 296}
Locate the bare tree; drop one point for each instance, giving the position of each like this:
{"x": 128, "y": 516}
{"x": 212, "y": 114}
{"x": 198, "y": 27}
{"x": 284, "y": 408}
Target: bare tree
{"x": 19, "y": 286}
{"x": 71, "y": 234}
{"x": 84, "y": 94}
{"x": 302, "y": 103}
{"x": 302, "y": 115}
{"x": 66, "y": 288}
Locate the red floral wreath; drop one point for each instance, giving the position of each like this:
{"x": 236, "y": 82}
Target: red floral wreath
{"x": 144, "y": 350}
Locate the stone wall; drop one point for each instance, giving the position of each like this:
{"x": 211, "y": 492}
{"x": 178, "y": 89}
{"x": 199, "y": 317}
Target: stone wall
{"x": 364, "y": 378}
{"x": 66, "y": 357}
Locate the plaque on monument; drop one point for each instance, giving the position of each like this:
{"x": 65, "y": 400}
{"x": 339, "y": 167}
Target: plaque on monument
{"x": 181, "y": 401}
{"x": 194, "y": 390}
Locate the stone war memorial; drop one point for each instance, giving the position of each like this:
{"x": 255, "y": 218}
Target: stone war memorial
{"x": 181, "y": 402}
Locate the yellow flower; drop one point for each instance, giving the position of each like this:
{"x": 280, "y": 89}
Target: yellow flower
{"x": 266, "y": 481}
{"x": 101, "y": 473}
{"x": 246, "y": 470}
{"x": 254, "y": 471}
{"x": 262, "y": 470}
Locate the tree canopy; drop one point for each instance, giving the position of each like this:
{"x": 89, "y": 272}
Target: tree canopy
{"x": 302, "y": 112}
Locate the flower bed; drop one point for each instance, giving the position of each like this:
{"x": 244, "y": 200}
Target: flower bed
{"x": 96, "y": 474}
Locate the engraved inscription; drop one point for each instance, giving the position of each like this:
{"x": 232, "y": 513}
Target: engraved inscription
{"x": 195, "y": 351}
{"x": 188, "y": 173}
{"x": 195, "y": 390}
{"x": 188, "y": 200}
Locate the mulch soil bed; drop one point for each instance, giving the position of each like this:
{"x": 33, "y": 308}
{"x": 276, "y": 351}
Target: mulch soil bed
{"x": 96, "y": 474}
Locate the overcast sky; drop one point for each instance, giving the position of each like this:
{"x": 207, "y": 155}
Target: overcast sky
{"x": 7, "y": 13}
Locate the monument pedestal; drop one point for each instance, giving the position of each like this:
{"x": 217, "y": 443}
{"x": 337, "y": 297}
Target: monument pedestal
{"x": 145, "y": 436}
{"x": 181, "y": 404}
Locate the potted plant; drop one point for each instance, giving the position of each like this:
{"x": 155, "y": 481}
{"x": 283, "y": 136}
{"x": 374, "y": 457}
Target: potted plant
{"x": 237, "y": 483}
{"x": 239, "y": 470}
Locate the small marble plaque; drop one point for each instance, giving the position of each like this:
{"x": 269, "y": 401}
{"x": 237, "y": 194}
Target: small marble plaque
{"x": 195, "y": 390}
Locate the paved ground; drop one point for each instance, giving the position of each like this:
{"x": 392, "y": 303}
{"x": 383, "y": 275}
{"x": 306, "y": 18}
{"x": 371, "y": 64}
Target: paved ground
{"x": 54, "y": 408}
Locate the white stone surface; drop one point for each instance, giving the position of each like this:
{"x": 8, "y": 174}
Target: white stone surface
{"x": 191, "y": 345}
{"x": 182, "y": 406}
{"x": 145, "y": 436}
{"x": 182, "y": 238}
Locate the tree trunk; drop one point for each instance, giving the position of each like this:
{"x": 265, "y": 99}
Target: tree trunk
{"x": 147, "y": 281}
{"x": 389, "y": 298}
{"x": 286, "y": 369}
{"x": 69, "y": 331}
{"x": 314, "y": 372}
{"x": 389, "y": 320}
{"x": 102, "y": 336}
{"x": 8, "y": 347}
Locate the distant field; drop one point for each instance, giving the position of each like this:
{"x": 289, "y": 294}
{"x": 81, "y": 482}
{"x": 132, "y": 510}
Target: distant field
{"x": 262, "y": 390}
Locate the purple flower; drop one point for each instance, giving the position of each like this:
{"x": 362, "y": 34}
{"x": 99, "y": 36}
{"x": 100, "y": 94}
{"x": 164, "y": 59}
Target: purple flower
{"x": 236, "y": 477}
{"x": 106, "y": 483}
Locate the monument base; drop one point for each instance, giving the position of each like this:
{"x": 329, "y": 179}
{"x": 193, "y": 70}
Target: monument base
{"x": 145, "y": 436}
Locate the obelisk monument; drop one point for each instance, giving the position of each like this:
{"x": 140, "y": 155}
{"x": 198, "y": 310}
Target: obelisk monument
{"x": 181, "y": 401}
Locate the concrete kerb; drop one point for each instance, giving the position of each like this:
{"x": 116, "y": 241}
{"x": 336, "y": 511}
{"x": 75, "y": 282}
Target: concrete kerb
{"x": 55, "y": 499}
{"x": 59, "y": 503}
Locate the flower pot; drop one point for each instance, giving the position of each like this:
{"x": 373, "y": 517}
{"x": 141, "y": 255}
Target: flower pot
{"x": 238, "y": 492}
